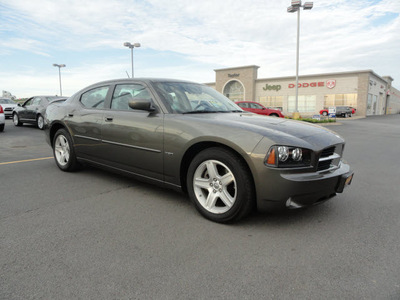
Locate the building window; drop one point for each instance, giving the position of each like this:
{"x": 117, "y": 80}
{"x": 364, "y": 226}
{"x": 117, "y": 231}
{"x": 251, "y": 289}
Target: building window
{"x": 306, "y": 103}
{"x": 234, "y": 90}
{"x": 272, "y": 101}
{"x": 340, "y": 100}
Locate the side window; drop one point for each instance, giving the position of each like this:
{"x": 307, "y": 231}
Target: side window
{"x": 123, "y": 93}
{"x": 242, "y": 105}
{"x": 255, "y": 106}
{"x": 36, "y": 101}
{"x": 94, "y": 98}
{"x": 28, "y": 102}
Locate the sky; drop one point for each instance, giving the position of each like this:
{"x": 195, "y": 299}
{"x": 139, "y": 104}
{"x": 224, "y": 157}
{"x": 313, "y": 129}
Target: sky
{"x": 187, "y": 39}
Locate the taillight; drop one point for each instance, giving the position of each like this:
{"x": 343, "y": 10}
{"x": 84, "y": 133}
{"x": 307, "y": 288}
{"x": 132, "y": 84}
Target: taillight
{"x": 1, "y": 110}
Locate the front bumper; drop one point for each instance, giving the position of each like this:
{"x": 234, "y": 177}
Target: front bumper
{"x": 285, "y": 190}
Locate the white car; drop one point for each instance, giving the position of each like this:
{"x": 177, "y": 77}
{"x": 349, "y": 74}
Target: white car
{"x": 8, "y": 106}
{"x": 2, "y": 119}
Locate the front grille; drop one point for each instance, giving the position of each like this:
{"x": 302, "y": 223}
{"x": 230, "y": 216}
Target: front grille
{"x": 328, "y": 151}
{"x": 330, "y": 157}
{"x": 8, "y": 109}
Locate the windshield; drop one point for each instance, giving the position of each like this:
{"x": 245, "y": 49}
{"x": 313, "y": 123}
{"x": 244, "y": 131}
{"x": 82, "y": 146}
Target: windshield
{"x": 183, "y": 97}
{"x": 6, "y": 101}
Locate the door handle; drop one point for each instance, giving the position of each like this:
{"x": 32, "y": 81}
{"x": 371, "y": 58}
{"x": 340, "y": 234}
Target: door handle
{"x": 70, "y": 115}
{"x": 109, "y": 119}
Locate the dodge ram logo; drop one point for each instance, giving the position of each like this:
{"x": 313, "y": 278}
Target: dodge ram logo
{"x": 330, "y": 84}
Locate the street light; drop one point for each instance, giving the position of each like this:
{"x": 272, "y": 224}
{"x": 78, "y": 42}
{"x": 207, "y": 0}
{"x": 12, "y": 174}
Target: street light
{"x": 295, "y": 7}
{"x": 131, "y": 46}
{"x": 59, "y": 74}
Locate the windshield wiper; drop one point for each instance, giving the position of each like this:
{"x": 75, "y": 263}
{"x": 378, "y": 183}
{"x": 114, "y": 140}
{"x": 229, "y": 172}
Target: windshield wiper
{"x": 200, "y": 112}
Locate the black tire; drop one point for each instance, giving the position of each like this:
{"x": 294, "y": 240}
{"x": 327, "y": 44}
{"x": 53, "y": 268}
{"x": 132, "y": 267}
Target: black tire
{"x": 40, "y": 122}
{"x": 273, "y": 115}
{"x": 16, "y": 120}
{"x": 224, "y": 191}
{"x": 63, "y": 151}
{"x": 324, "y": 113}
{"x": 2, "y": 127}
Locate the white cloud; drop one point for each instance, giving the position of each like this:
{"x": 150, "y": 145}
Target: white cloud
{"x": 335, "y": 36}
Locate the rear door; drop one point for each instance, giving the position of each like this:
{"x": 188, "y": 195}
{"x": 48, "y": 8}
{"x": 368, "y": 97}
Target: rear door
{"x": 85, "y": 122}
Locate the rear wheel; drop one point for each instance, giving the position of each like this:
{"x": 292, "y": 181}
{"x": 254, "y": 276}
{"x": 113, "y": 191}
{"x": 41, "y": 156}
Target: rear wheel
{"x": 1, "y": 127}
{"x": 220, "y": 185}
{"x": 16, "y": 120}
{"x": 324, "y": 113}
{"x": 63, "y": 151}
{"x": 40, "y": 122}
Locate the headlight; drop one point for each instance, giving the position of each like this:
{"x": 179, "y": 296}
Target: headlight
{"x": 288, "y": 157}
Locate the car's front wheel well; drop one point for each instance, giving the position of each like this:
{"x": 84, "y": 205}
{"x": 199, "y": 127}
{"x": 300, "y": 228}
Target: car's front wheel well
{"x": 197, "y": 148}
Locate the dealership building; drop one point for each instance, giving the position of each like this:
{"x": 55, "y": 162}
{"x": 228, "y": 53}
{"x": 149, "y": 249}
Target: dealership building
{"x": 364, "y": 90}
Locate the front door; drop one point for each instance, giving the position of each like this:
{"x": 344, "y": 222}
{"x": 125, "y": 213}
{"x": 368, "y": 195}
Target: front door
{"x": 133, "y": 139}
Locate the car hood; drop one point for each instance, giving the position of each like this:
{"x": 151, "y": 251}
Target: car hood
{"x": 277, "y": 129}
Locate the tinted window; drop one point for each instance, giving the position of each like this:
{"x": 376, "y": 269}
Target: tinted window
{"x": 242, "y": 104}
{"x": 255, "y": 106}
{"x": 123, "y": 93}
{"x": 95, "y": 98}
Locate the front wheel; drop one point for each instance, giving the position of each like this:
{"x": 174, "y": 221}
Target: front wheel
{"x": 220, "y": 185}
{"x": 16, "y": 120}
{"x": 324, "y": 113}
{"x": 63, "y": 151}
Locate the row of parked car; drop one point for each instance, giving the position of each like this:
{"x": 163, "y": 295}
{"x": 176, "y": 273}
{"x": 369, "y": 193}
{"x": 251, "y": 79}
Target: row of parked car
{"x": 31, "y": 111}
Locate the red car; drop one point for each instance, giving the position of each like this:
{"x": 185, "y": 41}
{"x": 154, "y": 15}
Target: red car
{"x": 257, "y": 108}
{"x": 324, "y": 112}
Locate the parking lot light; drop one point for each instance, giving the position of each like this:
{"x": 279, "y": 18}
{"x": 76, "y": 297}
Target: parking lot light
{"x": 59, "y": 74}
{"x": 295, "y": 7}
{"x": 131, "y": 46}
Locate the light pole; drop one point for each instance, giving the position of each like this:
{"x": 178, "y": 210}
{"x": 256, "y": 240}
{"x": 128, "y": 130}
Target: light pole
{"x": 131, "y": 46}
{"x": 295, "y": 7}
{"x": 59, "y": 74}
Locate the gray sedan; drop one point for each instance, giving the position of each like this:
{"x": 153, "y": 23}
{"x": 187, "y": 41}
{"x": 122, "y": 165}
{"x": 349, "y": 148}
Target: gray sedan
{"x": 189, "y": 137}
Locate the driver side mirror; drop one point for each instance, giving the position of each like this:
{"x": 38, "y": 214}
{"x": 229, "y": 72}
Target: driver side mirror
{"x": 142, "y": 104}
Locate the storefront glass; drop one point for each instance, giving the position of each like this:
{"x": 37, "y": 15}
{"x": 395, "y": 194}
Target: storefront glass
{"x": 306, "y": 103}
{"x": 272, "y": 101}
{"x": 234, "y": 90}
{"x": 340, "y": 100}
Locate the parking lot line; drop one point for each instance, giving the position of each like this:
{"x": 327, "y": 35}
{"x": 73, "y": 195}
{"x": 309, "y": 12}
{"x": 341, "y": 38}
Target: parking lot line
{"x": 26, "y": 160}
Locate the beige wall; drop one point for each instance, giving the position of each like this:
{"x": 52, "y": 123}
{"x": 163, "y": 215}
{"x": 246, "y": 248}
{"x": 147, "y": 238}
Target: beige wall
{"x": 245, "y": 75}
{"x": 361, "y": 83}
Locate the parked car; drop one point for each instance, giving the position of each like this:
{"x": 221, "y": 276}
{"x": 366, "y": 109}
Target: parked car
{"x": 325, "y": 112}
{"x": 33, "y": 109}
{"x": 258, "y": 108}
{"x": 2, "y": 119}
{"x": 8, "y": 106}
{"x": 189, "y": 137}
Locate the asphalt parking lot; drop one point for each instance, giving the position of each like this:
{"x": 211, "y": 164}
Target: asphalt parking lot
{"x": 96, "y": 235}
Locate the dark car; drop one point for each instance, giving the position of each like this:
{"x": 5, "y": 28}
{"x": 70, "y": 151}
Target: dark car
{"x": 343, "y": 111}
{"x": 258, "y": 108}
{"x": 33, "y": 109}
{"x": 189, "y": 137}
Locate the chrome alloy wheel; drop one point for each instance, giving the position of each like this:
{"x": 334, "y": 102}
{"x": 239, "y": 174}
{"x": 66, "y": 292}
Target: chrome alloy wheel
{"x": 62, "y": 150}
{"x": 40, "y": 122}
{"x": 215, "y": 186}
{"x": 15, "y": 119}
